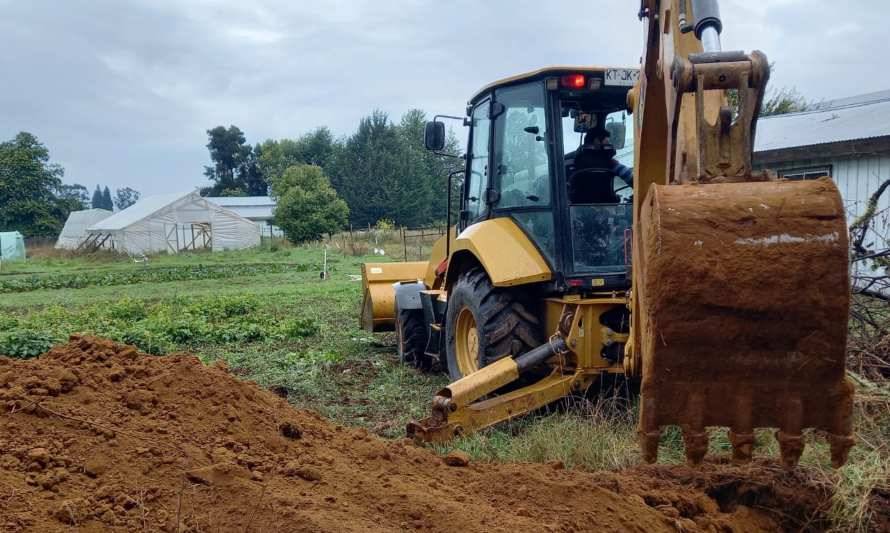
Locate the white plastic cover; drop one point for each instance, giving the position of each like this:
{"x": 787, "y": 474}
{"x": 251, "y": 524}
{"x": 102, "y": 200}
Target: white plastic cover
{"x": 12, "y": 246}
{"x": 170, "y": 223}
{"x": 75, "y": 230}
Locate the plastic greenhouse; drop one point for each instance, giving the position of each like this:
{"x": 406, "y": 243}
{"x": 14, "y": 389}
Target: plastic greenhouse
{"x": 172, "y": 223}
{"x": 75, "y": 230}
{"x": 12, "y": 246}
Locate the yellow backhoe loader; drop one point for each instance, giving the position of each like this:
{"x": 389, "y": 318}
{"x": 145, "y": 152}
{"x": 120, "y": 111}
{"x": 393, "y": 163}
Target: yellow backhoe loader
{"x": 723, "y": 289}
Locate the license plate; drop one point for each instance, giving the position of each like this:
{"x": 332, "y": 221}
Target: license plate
{"x": 622, "y": 77}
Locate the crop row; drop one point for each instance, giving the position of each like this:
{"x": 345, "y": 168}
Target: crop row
{"x": 144, "y": 275}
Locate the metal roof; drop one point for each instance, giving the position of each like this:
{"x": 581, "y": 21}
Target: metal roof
{"x": 237, "y": 201}
{"x": 845, "y": 119}
{"x": 251, "y": 207}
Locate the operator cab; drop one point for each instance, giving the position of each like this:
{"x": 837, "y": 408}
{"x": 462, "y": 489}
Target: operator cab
{"x": 527, "y": 159}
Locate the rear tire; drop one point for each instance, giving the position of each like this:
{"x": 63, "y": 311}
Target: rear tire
{"x": 412, "y": 337}
{"x": 484, "y": 323}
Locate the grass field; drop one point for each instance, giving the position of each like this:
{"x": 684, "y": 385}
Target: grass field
{"x": 271, "y": 318}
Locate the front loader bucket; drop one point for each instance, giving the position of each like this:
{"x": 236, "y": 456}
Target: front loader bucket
{"x": 744, "y": 295}
{"x": 378, "y": 295}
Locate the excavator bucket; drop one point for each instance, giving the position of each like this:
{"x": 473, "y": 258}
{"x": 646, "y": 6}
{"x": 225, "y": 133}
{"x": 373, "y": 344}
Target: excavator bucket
{"x": 744, "y": 295}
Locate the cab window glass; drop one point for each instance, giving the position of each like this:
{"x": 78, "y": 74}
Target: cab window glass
{"x": 477, "y": 181}
{"x": 520, "y": 147}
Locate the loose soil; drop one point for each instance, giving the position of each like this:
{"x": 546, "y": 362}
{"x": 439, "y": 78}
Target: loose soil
{"x": 95, "y": 436}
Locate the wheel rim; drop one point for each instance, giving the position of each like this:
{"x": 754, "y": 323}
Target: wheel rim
{"x": 466, "y": 340}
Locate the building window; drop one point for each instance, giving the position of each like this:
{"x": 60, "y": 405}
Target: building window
{"x": 806, "y": 173}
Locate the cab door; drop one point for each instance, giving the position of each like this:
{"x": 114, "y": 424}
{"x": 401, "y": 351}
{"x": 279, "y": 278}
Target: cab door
{"x": 477, "y": 180}
{"x": 523, "y": 171}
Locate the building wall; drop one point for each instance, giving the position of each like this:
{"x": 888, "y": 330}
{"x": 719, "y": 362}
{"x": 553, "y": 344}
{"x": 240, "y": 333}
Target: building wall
{"x": 267, "y": 230}
{"x": 857, "y": 179}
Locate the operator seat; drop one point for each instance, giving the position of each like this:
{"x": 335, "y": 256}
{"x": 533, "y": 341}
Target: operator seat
{"x": 592, "y": 186}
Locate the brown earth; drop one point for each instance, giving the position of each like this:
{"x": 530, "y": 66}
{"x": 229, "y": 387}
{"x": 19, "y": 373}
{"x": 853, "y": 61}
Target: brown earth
{"x": 95, "y": 436}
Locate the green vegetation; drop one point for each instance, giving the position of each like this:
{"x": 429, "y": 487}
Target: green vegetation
{"x": 267, "y": 314}
{"x": 31, "y": 192}
{"x": 144, "y": 275}
{"x": 380, "y": 171}
{"x": 307, "y": 207}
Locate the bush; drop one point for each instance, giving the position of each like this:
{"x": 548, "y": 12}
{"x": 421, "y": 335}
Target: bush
{"x": 299, "y": 328}
{"x": 307, "y": 205}
{"x": 24, "y": 344}
{"x": 8, "y": 323}
{"x": 128, "y": 309}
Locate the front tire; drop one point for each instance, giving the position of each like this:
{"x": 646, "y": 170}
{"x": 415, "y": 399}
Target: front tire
{"x": 484, "y": 323}
{"x": 412, "y": 337}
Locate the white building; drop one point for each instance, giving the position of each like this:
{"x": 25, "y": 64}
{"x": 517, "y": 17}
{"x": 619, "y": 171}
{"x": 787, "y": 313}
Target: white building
{"x": 260, "y": 209}
{"x": 172, "y": 223}
{"x": 847, "y": 139}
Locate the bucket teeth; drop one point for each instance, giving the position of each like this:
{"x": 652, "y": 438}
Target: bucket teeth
{"x": 791, "y": 448}
{"x": 696, "y": 442}
{"x": 649, "y": 444}
{"x": 742, "y": 446}
{"x": 840, "y": 449}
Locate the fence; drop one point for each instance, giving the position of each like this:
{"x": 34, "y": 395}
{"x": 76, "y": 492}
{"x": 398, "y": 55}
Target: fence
{"x": 406, "y": 244}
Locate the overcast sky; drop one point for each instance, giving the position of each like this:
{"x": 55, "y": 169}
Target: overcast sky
{"x": 122, "y": 91}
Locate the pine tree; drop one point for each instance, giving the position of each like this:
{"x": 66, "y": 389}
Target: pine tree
{"x": 96, "y": 202}
{"x": 107, "y": 203}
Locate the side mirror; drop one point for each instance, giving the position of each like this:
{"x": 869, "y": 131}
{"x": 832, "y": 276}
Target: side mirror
{"x": 617, "y": 131}
{"x": 434, "y": 136}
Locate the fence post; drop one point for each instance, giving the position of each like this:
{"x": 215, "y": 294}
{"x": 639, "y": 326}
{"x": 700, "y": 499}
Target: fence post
{"x": 405, "y": 242}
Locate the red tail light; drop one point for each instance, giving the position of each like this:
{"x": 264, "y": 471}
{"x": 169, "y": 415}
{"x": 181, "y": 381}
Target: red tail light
{"x": 573, "y": 81}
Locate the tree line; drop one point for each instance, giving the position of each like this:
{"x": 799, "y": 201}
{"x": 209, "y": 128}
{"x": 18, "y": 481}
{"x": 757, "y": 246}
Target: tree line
{"x": 34, "y": 199}
{"x": 380, "y": 172}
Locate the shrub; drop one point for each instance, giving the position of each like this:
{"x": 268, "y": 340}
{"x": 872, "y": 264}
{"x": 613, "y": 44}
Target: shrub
{"x": 128, "y": 309}
{"x": 299, "y": 328}
{"x": 24, "y": 344}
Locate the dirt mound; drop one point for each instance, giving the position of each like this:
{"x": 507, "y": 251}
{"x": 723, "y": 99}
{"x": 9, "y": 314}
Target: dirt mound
{"x": 98, "y": 436}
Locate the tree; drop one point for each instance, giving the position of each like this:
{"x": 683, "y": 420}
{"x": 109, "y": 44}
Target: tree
{"x": 777, "y": 101}
{"x": 314, "y": 148}
{"x": 384, "y": 171}
{"x": 107, "y": 203}
{"x": 785, "y": 100}
{"x": 96, "y": 202}
{"x": 125, "y": 197}
{"x": 307, "y": 206}
{"x": 235, "y": 165}
{"x": 30, "y": 188}
{"x": 76, "y": 194}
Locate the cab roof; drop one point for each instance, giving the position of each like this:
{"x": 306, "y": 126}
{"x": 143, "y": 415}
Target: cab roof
{"x": 539, "y": 74}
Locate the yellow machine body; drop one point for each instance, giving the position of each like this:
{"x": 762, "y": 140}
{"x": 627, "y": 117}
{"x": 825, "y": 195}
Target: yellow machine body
{"x": 378, "y": 297}
{"x": 737, "y": 295}
{"x": 504, "y": 251}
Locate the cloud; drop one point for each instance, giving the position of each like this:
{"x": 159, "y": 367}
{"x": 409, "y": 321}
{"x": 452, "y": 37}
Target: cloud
{"x": 122, "y": 92}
